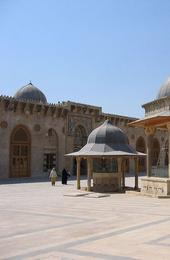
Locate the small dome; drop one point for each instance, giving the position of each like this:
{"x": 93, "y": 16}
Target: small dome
{"x": 30, "y": 93}
{"x": 109, "y": 138}
{"x": 107, "y": 134}
{"x": 164, "y": 90}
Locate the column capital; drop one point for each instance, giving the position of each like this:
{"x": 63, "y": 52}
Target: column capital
{"x": 149, "y": 130}
{"x": 78, "y": 159}
{"x": 168, "y": 126}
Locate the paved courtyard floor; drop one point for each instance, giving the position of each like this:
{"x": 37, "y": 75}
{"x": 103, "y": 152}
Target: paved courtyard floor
{"x": 38, "y": 222}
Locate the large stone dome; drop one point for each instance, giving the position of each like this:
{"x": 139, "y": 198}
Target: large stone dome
{"x": 164, "y": 90}
{"x": 30, "y": 93}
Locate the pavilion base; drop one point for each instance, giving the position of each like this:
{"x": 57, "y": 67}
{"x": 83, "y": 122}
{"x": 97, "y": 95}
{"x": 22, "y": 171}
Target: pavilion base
{"x": 155, "y": 187}
{"x": 106, "y": 182}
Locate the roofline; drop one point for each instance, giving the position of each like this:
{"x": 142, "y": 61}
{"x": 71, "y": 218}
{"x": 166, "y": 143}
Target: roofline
{"x": 155, "y": 101}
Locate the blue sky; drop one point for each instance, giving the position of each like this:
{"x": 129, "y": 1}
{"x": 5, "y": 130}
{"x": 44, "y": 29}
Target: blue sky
{"x": 110, "y": 53}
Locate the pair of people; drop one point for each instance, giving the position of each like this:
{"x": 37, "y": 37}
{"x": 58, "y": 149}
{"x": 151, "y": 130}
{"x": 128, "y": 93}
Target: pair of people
{"x": 53, "y": 176}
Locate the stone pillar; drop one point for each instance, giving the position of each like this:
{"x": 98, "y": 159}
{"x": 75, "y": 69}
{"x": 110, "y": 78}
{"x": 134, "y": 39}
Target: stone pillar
{"x": 78, "y": 159}
{"x": 131, "y": 165}
{"x": 136, "y": 173}
{"x": 89, "y": 173}
{"x": 119, "y": 171}
{"x": 123, "y": 173}
{"x": 168, "y": 126}
{"x": 149, "y": 132}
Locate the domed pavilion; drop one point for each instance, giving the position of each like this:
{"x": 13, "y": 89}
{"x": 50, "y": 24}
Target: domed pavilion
{"x": 106, "y": 150}
{"x": 157, "y": 116}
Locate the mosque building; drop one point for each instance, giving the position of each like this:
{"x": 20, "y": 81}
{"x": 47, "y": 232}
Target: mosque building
{"x": 35, "y": 135}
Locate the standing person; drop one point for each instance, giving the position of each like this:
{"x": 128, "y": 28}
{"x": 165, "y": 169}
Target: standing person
{"x": 53, "y": 176}
{"x": 65, "y": 176}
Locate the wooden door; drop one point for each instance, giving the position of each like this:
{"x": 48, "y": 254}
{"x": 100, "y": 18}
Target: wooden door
{"x": 20, "y": 153}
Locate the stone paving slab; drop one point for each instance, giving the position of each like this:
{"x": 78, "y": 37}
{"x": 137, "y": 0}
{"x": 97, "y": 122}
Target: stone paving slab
{"x": 97, "y": 195}
{"x": 38, "y": 222}
{"x": 76, "y": 194}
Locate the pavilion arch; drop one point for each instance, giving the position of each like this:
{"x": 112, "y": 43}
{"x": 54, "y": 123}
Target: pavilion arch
{"x": 166, "y": 152}
{"x": 80, "y": 139}
{"x": 50, "y": 150}
{"x": 20, "y": 152}
{"x": 155, "y": 151}
{"x": 141, "y": 147}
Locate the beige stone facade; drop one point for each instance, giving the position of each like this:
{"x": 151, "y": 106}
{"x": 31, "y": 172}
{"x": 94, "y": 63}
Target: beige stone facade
{"x": 34, "y": 137}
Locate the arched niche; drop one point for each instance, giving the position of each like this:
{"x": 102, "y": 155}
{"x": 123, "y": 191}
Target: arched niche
{"x": 155, "y": 151}
{"x": 141, "y": 147}
{"x": 80, "y": 139}
{"x": 166, "y": 153}
{"x": 20, "y": 152}
{"x": 50, "y": 150}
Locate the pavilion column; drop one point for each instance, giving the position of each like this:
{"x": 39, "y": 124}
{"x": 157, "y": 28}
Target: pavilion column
{"x": 78, "y": 159}
{"x": 89, "y": 173}
{"x": 149, "y": 132}
{"x": 168, "y": 126}
{"x": 119, "y": 171}
{"x": 123, "y": 173}
{"x": 136, "y": 173}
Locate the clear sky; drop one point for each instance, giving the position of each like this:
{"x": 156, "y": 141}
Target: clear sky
{"x": 110, "y": 53}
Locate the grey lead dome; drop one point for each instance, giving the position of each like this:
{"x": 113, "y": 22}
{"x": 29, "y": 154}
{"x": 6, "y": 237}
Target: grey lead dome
{"x": 164, "y": 90}
{"x": 30, "y": 93}
{"x": 107, "y": 134}
{"x": 107, "y": 138}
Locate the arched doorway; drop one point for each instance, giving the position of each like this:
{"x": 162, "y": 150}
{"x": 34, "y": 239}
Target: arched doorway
{"x": 20, "y": 156}
{"x": 50, "y": 150}
{"x": 155, "y": 151}
{"x": 80, "y": 139}
{"x": 141, "y": 147}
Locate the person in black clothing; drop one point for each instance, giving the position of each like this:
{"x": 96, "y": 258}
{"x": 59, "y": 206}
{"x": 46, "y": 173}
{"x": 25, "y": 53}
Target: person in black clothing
{"x": 65, "y": 176}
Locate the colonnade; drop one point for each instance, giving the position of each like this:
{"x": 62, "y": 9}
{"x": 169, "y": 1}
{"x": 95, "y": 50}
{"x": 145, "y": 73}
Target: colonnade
{"x": 150, "y": 131}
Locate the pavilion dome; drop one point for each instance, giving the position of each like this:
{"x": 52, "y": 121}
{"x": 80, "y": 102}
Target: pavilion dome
{"x": 30, "y": 93}
{"x": 164, "y": 90}
{"x": 108, "y": 134}
{"x": 106, "y": 140}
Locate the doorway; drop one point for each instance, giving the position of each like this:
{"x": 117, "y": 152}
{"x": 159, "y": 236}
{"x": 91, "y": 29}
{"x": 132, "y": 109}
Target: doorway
{"x": 20, "y": 153}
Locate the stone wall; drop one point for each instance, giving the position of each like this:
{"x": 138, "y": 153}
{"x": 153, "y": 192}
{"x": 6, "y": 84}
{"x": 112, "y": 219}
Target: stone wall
{"x": 155, "y": 186}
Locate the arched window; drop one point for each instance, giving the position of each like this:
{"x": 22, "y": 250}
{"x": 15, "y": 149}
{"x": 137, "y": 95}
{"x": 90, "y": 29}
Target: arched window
{"x": 20, "y": 152}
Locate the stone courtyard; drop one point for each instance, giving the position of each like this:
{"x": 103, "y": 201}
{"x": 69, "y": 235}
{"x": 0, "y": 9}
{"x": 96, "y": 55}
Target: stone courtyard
{"x": 39, "y": 222}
